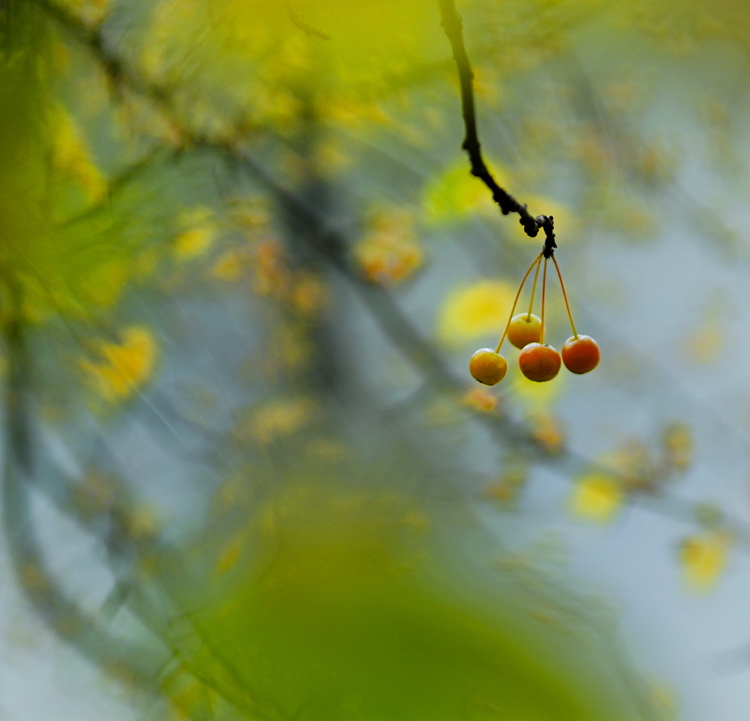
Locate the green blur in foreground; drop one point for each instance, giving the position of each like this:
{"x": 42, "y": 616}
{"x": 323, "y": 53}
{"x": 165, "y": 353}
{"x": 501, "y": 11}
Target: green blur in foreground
{"x": 348, "y": 613}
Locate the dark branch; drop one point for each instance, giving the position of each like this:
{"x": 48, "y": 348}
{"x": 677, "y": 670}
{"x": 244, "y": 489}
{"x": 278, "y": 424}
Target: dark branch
{"x": 451, "y": 22}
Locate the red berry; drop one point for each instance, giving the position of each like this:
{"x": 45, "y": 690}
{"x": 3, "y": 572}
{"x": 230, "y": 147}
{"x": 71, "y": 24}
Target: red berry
{"x": 539, "y": 362}
{"x": 580, "y": 354}
{"x": 524, "y": 328}
{"x": 488, "y": 367}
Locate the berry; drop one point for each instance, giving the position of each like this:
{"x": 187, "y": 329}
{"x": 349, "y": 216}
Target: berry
{"x": 539, "y": 362}
{"x": 580, "y": 354}
{"x": 488, "y": 367}
{"x": 524, "y": 328}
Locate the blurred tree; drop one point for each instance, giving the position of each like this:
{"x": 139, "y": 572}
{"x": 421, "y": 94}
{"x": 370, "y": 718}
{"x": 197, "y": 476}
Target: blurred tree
{"x": 227, "y": 230}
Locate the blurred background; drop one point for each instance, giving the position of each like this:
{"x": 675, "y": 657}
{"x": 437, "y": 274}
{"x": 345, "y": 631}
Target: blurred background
{"x": 243, "y": 265}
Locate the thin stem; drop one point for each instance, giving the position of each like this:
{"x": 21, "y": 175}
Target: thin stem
{"x": 515, "y": 301}
{"x": 533, "y": 290}
{"x": 565, "y": 297}
{"x": 544, "y": 298}
{"x": 453, "y": 26}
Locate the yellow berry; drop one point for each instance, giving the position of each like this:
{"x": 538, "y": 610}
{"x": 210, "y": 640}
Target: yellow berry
{"x": 488, "y": 367}
{"x": 524, "y": 328}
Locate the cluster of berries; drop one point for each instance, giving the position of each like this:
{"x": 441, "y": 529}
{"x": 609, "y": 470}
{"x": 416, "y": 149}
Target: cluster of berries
{"x": 538, "y": 360}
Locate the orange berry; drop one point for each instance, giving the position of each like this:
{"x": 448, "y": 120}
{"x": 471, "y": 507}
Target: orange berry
{"x": 580, "y": 354}
{"x": 488, "y": 367}
{"x": 524, "y": 328}
{"x": 539, "y": 362}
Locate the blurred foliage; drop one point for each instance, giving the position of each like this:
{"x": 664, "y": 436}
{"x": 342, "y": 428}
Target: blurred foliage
{"x": 343, "y": 611}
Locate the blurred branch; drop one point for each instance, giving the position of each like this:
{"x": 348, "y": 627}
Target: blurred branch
{"x": 116, "y": 185}
{"x": 305, "y": 27}
{"x": 115, "y": 68}
{"x": 330, "y": 243}
{"x": 453, "y": 26}
{"x": 61, "y": 613}
{"x": 135, "y": 664}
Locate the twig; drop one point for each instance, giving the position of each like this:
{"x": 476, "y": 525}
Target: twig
{"x": 451, "y": 22}
{"x": 304, "y": 26}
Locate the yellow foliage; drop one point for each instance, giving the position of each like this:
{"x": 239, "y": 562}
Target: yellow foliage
{"x": 703, "y": 558}
{"x": 271, "y": 272}
{"x": 71, "y": 158}
{"x": 389, "y": 252}
{"x": 475, "y": 310}
{"x": 272, "y": 72}
{"x": 250, "y": 212}
{"x": 91, "y": 11}
{"x": 506, "y": 489}
{"x": 632, "y": 463}
{"x": 678, "y": 446}
{"x": 276, "y": 419}
{"x": 194, "y": 242}
{"x": 547, "y": 431}
{"x": 308, "y": 294}
{"x": 142, "y": 523}
{"x": 231, "y": 265}
{"x": 228, "y": 558}
{"x": 199, "y": 233}
{"x": 596, "y": 497}
{"x": 706, "y": 343}
{"x": 190, "y": 699}
{"x": 567, "y": 227}
{"x": 106, "y": 282}
{"x": 121, "y": 368}
{"x": 480, "y": 399}
{"x": 455, "y": 193}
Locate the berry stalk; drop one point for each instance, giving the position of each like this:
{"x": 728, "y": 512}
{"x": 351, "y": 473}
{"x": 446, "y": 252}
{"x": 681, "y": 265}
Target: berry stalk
{"x": 533, "y": 289}
{"x": 565, "y": 298}
{"x": 515, "y": 301}
{"x": 544, "y": 298}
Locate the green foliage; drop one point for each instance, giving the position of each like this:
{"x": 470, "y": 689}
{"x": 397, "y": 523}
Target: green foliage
{"x": 347, "y": 604}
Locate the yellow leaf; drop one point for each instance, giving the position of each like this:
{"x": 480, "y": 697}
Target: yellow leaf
{"x": 479, "y": 399}
{"x": 72, "y": 159}
{"x": 475, "y": 310}
{"x": 389, "y": 252}
{"x": 199, "y": 233}
{"x": 455, "y": 193}
{"x": 596, "y": 497}
{"x": 547, "y": 431}
{"x": 703, "y": 558}
{"x": 228, "y": 558}
{"x": 192, "y": 243}
{"x": 122, "y": 367}
{"x": 231, "y": 265}
{"x": 706, "y": 343}
{"x": 276, "y": 419}
{"x": 567, "y": 227}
